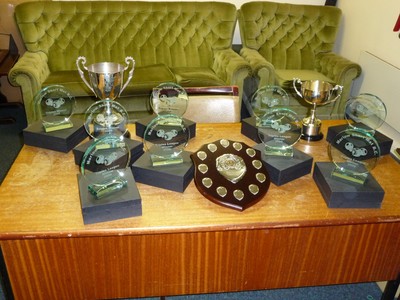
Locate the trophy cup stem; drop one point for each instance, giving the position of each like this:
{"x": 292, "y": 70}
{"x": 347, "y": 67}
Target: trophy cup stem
{"x": 313, "y": 116}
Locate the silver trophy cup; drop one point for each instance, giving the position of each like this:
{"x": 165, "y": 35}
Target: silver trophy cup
{"x": 106, "y": 78}
{"x": 106, "y": 81}
{"x": 316, "y": 93}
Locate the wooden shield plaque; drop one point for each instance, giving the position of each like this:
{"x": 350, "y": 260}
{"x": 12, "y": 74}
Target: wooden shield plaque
{"x": 230, "y": 174}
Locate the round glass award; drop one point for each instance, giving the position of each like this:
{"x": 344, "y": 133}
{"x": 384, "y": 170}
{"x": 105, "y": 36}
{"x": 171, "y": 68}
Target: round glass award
{"x": 268, "y": 97}
{"x": 165, "y": 138}
{"x": 366, "y": 112}
{"x": 355, "y": 153}
{"x": 279, "y": 130}
{"x": 104, "y": 165}
{"x": 106, "y": 117}
{"x": 54, "y": 106}
{"x": 169, "y": 98}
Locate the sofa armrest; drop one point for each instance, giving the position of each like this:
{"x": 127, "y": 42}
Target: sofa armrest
{"x": 260, "y": 67}
{"x": 29, "y": 73}
{"x": 342, "y": 71}
{"x": 231, "y": 67}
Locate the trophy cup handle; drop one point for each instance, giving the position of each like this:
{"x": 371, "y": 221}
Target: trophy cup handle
{"x": 128, "y": 60}
{"x": 297, "y": 80}
{"x": 81, "y": 73}
{"x": 339, "y": 90}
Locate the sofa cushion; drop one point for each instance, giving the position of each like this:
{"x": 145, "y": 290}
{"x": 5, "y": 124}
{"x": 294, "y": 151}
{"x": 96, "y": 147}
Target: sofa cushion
{"x": 189, "y": 77}
{"x": 143, "y": 80}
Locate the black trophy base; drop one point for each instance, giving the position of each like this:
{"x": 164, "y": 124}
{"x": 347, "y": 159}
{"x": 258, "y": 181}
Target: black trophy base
{"x": 282, "y": 170}
{"x": 338, "y": 193}
{"x": 123, "y": 204}
{"x": 249, "y": 128}
{"x": 384, "y": 142}
{"x": 60, "y": 140}
{"x": 312, "y": 138}
{"x": 136, "y": 148}
{"x": 141, "y": 126}
{"x": 170, "y": 177}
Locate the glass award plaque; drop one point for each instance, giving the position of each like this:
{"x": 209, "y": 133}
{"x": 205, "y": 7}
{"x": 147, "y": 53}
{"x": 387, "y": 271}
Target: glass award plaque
{"x": 54, "y": 106}
{"x": 365, "y": 112}
{"x": 354, "y": 153}
{"x": 279, "y": 130}
{"x": 105, "y": 166}
{"x": 169, "y": 98}
{"x": 106, "y": 117}
{"x": 165, "y": 138}
{"x": 268, "y": 97}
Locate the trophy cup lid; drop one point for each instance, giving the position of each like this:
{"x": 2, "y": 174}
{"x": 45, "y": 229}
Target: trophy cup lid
{"x": 366, "y": 112}
{"x": 169, "y": 98}
{"x": 268, "y": 97}
{"x": 54, "y": 105}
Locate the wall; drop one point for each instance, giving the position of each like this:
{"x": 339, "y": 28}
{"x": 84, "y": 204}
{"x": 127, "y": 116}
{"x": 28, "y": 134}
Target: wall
{"x": 368, "y": 26}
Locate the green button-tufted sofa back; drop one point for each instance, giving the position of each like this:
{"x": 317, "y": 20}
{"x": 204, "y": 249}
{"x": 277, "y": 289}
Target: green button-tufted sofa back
{"x": 110, "y": 31}
{"x": 289, "y": 36}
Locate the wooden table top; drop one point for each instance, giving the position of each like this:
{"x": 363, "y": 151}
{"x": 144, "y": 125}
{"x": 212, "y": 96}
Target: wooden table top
{"x": 40, "y": 198}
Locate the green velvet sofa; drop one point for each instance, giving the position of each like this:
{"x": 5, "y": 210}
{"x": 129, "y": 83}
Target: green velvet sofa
{"x": 184, "y": 42}
{"x": 283, "y": 41}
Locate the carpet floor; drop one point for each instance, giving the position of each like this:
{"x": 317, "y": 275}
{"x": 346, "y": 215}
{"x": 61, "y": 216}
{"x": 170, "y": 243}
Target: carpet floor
{"x": 11, "y": 142}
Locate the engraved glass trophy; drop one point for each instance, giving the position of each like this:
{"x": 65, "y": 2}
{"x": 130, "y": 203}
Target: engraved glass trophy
{"x": 279, "y": 129}
{"x": 54, "y": 106}
{"x": 266, "y": 98}
{"x": 366, "y": 112}
{"x": 106, "y": 117}
{"x": 105, "y": 166}
{"x": 165, "y": 138}
{"x": 355, "y": 153}
{"x": 316, "y": 93}
{"x": 169, "y": 98}
{"x": 107, "y": 83}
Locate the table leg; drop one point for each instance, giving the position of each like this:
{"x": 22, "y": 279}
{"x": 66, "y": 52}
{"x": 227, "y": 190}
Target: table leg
{"x": 4, "y": 279}
{"x": 390, "y": 289}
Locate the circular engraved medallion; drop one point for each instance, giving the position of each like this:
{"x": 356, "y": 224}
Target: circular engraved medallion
{"x": 366, "y": 112}
{"x": 54, "y": 105}
{"x": 106, "y": 117}
{"x": 165, "y": 138}
{"x": 239, "y": 178}
{"x": 104, "y": 164}
{"x": 279, "y": 130}
{"x": 268, "y": 97}
{"x": 354, "y": 153}
{"x": 169, "y": 98}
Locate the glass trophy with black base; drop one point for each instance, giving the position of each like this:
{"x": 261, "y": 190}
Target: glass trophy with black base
{"x": 264, "y": 99}
{"x": 56, "y": 129}
{"x": 104, "y": 118}
{"x": 365, "y": 112}
{"x": 106, "y": 185}
{"x": 167, "y": 98}
{"x": 165, "y": 163}
{"x": 279, "y": 129}
{"x": 316, "y": 93}
{"x": 346, "y": 181}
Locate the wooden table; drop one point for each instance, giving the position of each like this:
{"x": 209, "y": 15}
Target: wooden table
{"x": 185, "y": 244}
